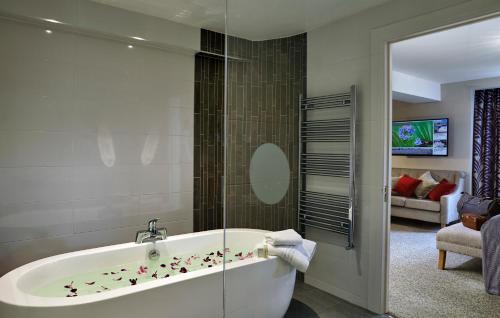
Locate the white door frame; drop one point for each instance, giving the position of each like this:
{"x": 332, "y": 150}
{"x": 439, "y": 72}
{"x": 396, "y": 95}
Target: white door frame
{"x": 380, "y": 99}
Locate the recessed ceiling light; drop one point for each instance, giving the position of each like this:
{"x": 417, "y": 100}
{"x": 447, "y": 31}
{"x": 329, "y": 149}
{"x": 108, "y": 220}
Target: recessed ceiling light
{"x": 138, "y": 38}
{"x": 48, "y": 31}
{"x": 184, "y": 13}
{"x": 53, "y": 21}
{"x": 130, "y": 46}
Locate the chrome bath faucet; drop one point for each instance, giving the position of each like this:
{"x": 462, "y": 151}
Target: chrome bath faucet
{"x": 152, "y": 234}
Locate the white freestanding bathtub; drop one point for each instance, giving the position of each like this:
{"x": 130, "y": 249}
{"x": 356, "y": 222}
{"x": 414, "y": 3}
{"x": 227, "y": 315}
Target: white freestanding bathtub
{"x": 255, "y": 287}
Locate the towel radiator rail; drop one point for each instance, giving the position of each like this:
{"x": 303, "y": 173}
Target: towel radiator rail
{"x": 326, "y": 211}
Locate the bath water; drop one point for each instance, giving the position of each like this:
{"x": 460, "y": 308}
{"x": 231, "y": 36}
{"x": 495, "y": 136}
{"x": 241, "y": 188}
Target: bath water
{"x": 138, "y": 272}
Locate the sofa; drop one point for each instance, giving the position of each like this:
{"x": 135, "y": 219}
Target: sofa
{"x": 443, "y": 212}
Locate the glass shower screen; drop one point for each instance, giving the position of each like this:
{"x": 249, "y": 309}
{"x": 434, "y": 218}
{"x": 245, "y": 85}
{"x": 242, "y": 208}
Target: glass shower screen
{"x": 266, "y": 74}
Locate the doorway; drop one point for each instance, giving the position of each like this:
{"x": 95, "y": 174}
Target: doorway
{"x": 429, "y": 125}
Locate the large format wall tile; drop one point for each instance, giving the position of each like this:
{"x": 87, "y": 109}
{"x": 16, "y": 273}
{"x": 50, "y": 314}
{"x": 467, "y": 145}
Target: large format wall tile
{"x": 95, "y": 139}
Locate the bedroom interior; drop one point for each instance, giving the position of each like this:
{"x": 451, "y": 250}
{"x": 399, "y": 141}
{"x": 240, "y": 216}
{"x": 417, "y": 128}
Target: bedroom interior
{"x": 234, "y": 158}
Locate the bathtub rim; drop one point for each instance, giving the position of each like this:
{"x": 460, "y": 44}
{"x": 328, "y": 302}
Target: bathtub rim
{"x": 11, "y": 294}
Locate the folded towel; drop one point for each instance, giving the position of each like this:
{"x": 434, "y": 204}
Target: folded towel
{"x": 309, "y": 248}
{"x": 298, "y": 256}
{"x": 286, "y": 237}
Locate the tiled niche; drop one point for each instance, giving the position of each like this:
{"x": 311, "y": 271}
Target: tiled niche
{"x": 265, "y": 79}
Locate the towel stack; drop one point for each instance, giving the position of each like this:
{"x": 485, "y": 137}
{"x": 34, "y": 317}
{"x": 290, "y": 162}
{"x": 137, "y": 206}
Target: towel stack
{"x": 291, "y": 247}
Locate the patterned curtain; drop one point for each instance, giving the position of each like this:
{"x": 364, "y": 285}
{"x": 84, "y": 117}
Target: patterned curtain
{"x": 486, "y": 144}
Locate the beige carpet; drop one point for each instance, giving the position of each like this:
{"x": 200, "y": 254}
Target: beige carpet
{"x": 418, "y": 289}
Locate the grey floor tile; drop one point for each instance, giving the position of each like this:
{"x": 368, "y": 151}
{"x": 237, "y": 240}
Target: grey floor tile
{"x": 310, "y": 302}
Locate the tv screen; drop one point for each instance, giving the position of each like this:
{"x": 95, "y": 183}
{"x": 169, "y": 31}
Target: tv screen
{"x": 420, "y": 137}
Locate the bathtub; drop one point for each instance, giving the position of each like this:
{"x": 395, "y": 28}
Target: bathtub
{"x": 255, "y": 287}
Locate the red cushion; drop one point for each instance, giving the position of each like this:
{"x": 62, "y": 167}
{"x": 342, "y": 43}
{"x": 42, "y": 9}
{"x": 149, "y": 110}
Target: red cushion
{"x": 443, "y": 188}
{"x": 406, "y": 185}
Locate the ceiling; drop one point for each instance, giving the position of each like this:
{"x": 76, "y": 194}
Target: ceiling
{"x": 464, "y": 53}
{"x": 249, "y": 19}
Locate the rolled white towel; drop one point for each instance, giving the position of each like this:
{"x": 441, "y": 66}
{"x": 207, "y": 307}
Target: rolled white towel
{"x": 298, "y": 256}
{"x": 286, "y": 237}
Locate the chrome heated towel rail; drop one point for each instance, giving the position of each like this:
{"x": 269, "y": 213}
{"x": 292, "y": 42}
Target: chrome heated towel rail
{"x": 327, "y": 211}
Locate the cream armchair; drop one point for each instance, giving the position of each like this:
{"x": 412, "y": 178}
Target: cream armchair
{"x": 449, "y": 203}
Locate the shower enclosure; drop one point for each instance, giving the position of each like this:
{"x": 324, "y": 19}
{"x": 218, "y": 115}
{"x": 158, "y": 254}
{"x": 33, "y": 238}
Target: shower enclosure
{"x": 246, "y": 138}
{"x": 261, "y": 144}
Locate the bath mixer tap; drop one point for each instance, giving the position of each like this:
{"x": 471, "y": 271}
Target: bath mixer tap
{"x": 152, "y": 234}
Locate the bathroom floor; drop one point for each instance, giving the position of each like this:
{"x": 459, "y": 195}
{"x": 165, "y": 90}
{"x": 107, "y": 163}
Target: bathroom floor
{"x": 310, "y": 302}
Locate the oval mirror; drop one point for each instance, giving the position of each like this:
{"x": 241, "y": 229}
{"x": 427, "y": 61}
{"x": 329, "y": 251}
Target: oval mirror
{"x": 269, "y": 173}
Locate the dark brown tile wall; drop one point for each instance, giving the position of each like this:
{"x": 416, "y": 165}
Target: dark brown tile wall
{"x": 209, "y": 134}
{"x": 264, "y": 84}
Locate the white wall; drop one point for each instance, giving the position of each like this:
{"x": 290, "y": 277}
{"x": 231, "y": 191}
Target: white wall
{"x": 95, "y": 139}
{"x": 457, "y": 105}
{"x": 341, "y": 54}
{"x": 412, "y": 89}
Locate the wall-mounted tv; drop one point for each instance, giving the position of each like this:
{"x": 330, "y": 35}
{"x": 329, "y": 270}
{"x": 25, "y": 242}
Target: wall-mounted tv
{"x": 423, "y": 137}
